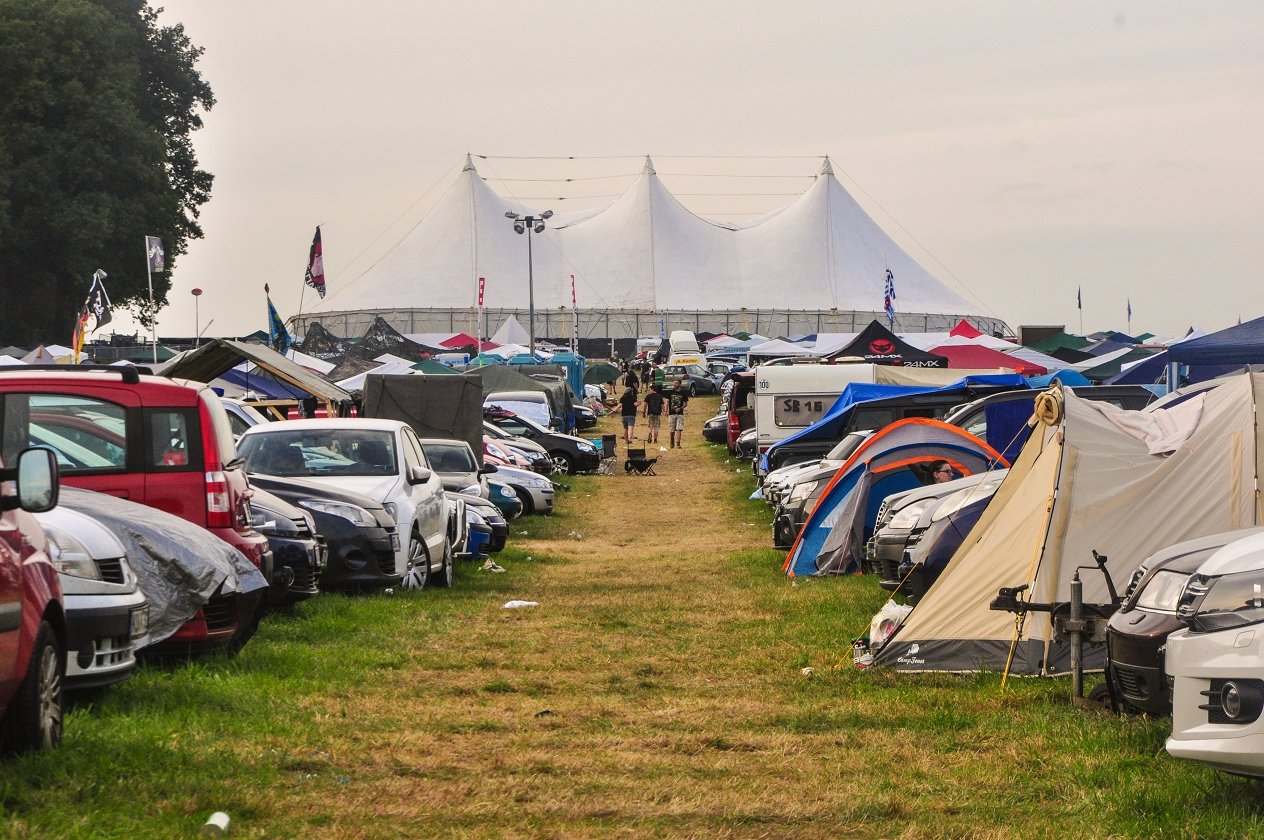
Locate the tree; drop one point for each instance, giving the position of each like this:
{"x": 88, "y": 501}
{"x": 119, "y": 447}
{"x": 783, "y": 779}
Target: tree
{"x": 98, "y": 103}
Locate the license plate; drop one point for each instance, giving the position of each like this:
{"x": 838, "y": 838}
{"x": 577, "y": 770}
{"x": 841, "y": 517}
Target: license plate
{"x": 322, "y": 557}
{"x": 394, "y": 542}
{"x": 138, "y": 621}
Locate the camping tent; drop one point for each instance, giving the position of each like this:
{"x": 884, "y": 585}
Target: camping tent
{"x": 879, "y": 345}
{"x": 1092, "y": 477}
{"x": 977, "y": 356}
{"x": 890, "y": 461}
{"x": 442, "y": 406}
{"x": 1242, "y": 344}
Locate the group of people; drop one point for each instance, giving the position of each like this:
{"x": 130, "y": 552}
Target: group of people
{"x": 652, "y": 408}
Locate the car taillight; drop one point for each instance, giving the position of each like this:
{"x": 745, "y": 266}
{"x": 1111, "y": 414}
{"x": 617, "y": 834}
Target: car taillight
{"x": 219, "y": 512}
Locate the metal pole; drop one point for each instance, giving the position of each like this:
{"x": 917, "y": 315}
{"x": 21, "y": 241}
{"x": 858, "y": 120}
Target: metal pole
{"x": 530, "y": 287}
{"x": 1075, "y": 628}
{"x": 153, "y": 314}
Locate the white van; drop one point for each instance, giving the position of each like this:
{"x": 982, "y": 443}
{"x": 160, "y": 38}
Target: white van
{"x": 683, "y": 348}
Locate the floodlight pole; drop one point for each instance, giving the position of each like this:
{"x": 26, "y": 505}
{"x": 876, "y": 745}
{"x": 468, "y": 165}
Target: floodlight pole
{"x": 529, "y": 225}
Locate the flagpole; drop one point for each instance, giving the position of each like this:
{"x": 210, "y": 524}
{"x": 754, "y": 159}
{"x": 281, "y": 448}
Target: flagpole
{"x": 153, "y": 315}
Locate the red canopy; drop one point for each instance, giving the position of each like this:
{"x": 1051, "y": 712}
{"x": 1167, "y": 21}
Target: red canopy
{"x": 979, "y": 357}
{"x": 466, "y": 340}
{"x": 965, "y": 330}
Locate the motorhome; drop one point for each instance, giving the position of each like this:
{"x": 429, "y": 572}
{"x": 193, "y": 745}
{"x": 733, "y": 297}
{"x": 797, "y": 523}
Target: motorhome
{"x": 684, "y": 348}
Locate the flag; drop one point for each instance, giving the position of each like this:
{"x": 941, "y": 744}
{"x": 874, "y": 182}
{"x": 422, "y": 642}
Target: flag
{"x": 1129, "y": 309}
{"x": 98, "y": 302}
{"x": 1079, "y": 301}
{"x": 154, "y": 254}
{"x": 77, "y": 339}
{"x": 315, "y": 276}
{"x": 278, "y": 337}
{"x": 482, "y": 284}
{"x": 888, "y": 298}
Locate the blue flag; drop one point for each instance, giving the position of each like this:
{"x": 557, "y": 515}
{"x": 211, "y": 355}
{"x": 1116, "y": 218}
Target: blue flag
{"x": 278, "y": 337}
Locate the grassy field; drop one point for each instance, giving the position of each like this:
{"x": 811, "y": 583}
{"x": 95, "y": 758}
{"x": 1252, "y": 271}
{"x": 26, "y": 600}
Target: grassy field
{"x": 657, "y": 690}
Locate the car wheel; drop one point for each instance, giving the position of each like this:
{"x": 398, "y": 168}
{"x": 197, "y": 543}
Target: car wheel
{"x": 443, "y": 577}
{"x": 417, "y": 572}
{"x": 693, "y": 390}
{"x": 561, "y": 463}
{"x": 528, "y": 504}
{"x": 34, "y": 719}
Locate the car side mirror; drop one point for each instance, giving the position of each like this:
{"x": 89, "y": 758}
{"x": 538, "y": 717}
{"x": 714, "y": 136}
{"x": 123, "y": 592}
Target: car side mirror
{"x": 419, "y": 475}
{"x": 38, "y": 481}
{"x": 489, "y": 468}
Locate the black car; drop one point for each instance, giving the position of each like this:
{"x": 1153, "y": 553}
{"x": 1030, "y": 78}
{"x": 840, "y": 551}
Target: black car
{"x": 1137, "y": 633}
{"x": 585, "y": 417}
{"x": 299, "y": 554}
{"x": 716, "y": 429}
{"x": 360, "y": 534}
{"x": 570, "y": 454}
{"x": 495, "y": 522}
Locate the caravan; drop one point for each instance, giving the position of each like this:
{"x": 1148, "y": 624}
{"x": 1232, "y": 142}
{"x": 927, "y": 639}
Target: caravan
{"x": 683, "y": 348}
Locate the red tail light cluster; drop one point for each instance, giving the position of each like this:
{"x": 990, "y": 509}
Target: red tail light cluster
{"x": 219, "y": 513}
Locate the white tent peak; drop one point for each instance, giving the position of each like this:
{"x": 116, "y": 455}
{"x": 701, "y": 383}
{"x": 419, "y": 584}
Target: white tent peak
{"x": 469, "y": 163}
{"x": 649, "y": 167}
{"x": 511, "y": 332}
{"x": 827, "y": 168}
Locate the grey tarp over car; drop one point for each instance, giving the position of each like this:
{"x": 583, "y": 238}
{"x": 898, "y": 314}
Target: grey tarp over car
{"x": 178, "y": 565}
{"x": 503, "y": 378}
{"x": 434, "y": 405}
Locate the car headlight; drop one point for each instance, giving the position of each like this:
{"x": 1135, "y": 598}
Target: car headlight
{"x": 1223, "y": 602}
{"x": 1163, "y": 592}
{"x": 906, "y": 518}
{"x": 540, "y": 483}
{"x": 508, "y": 492}
{"x": 586, "y": 447}
{"x": 473, "y": 517}
{"x": 802, "y": 490}
{"x": 354, "y": 514}
{"x": 270, "y": 523}
{"x": 70, "y": 556}
{"x": 472, "y": 490}
{"x": 390, "y": 510}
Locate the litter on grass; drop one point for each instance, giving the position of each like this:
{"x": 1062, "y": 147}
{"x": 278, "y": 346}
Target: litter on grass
{"x": 517, "y": 605}
{"x": 490, "y": 566}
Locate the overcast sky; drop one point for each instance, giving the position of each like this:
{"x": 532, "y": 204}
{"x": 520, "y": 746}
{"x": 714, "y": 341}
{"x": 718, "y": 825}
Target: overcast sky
{"x": 1017, "y": 150}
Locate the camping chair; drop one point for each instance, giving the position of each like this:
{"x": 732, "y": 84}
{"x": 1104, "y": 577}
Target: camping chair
{"x": 606, "y": 467}
{"x": 638, "y": 463}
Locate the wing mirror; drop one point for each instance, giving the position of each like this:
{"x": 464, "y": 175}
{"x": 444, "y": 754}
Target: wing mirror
{"x": 489, "y": 468}
{"x": 38, "y": 481}
{"x": 419, "y": 475}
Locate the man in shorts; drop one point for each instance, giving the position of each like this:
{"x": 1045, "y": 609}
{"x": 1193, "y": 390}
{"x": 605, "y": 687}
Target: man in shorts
{"x": 676, "y": 403}
{"x": 653, "y": 412}
{"x": 627, "y": 412}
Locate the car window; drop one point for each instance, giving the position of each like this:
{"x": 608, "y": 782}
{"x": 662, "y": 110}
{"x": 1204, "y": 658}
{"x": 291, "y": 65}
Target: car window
{"x": 320, "y": 452}
{"x": 85, "y": 433}
{"x": 172, "y": 440}
{"x": 238, "y": 425}
{"x": 414, "y": 453}
{"x": 450, "y": 458}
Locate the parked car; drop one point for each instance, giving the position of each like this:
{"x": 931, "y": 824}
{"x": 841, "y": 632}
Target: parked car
{"x": 694, "y": 379}
{"x": 508, "y": 456}
{"x": 381, "y": 459}
{"x": 570, "y": 454}
{"x": 1137, "y": 632}
{"x": 536, "y": 454}
{"x": 1217, "y": 664}
{"x": 585, "y": 417}
{"x": 106, "y": 613}
{"x": 716, "y": 429}
{"x": 456, "y": 465}
{"x": 241, "y": 415}
{"x": 32, "y": 615}
{"x": 299, "y": 554}
{"x": 204, "y": 597}
{"x": 530, "y": 404}
{"x": 904, "y": 518}
{"x": 160, "y": 442}
{"x": 535, "y": 491}
{"x": 498, "y": 527}
{"x": 505, "y": 498}
{"x": 360, "y": 537}
{"x": 747, "y": 444}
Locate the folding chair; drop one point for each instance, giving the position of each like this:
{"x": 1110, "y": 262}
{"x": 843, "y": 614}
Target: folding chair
{"x": 606, "y": 467}
{"x": 638, "y": 463}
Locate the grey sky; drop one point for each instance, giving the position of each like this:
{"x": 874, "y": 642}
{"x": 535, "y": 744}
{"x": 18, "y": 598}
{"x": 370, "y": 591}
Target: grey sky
{"x": 1017, "y": 150}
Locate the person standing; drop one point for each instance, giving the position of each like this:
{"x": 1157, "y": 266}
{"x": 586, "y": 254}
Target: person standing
{"x": 653, "y": 412}
{"x": 676, "y": 403}
{"x": 627, "y": 412}
{"x": 630, "y": 379}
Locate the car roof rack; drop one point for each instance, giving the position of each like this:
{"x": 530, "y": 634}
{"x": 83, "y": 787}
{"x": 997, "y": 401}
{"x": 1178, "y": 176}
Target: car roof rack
{"x": 129, "y": 373}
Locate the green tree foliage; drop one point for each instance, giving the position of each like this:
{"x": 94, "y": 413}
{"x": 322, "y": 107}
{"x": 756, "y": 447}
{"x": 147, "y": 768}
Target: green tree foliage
{"x": 98, "y": 103}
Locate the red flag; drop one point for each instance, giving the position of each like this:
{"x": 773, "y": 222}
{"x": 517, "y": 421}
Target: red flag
{"x": 316, "y": 266}
{"x": 482, "y": 281}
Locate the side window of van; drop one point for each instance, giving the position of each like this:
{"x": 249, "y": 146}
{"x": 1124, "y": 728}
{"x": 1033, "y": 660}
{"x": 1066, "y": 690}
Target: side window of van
{"x": 86, "y": 434}
{"x": 172, "y": 441}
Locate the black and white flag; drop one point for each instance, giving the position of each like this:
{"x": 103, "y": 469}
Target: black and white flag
{"x": 98, "y": 302}
{"x": 155, "y": 254}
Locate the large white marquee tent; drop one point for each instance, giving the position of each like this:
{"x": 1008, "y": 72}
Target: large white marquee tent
{"x": 645, "y": 264}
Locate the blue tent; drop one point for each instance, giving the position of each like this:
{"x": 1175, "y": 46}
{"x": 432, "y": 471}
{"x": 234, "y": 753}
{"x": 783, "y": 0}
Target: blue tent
{"x": 264, "y": 385}
{"x": 1237, "y": 346}
{"x": 891, "y": 460}
{"x": 834, "y": 421}
{"x": 1066, "y": 377}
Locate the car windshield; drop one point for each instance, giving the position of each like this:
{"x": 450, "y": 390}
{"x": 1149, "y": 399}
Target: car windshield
{"x": 511, "y": 424}
{"x": 449, "y": 457}
{"x": 319, "y": 452}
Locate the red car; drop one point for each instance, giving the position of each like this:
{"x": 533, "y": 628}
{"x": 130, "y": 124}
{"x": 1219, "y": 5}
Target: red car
{"x": 160, "y": 442}
{"x": 32, "y": 616}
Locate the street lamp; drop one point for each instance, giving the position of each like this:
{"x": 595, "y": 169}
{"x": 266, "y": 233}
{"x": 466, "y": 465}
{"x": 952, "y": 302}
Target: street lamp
{"x": 529, "y": 225}
{"x": 197, "y": 293}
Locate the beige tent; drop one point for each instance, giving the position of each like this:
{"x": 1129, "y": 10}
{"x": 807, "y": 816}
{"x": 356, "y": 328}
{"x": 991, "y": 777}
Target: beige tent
{"x": 1091, "y": 477}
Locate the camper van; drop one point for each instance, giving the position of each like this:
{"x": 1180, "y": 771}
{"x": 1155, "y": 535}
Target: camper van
{"x": 684, "y": 348}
